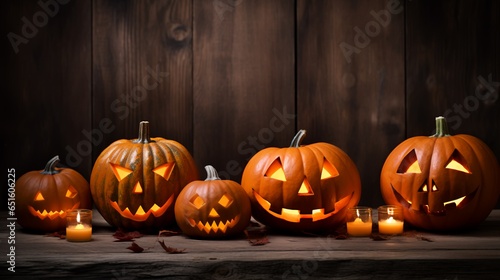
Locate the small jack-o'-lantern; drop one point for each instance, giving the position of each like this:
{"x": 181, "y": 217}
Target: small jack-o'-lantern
{"x": 302, "y": 188}
{"x": 443, "y": 182}
{"x": 134, "y": 183}
{"x": 44, "y": 196}
{"x": 213, "y": 208}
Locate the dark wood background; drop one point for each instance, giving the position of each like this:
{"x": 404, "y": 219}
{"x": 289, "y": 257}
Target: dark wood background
{"x": 227, "y": 78}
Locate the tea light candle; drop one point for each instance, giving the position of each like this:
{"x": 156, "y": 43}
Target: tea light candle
{"x": 359, "y": 221}
{"x": 390, "y": 219}
{"x": 79, "y": 225}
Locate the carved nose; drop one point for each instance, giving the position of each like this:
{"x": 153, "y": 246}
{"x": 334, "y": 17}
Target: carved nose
{"x": 305, "y": 188}
{"x": 213, "y": 214}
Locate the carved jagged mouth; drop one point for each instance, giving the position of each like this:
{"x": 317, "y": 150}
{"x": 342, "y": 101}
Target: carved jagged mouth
{"x": 140, "y": 215}
{"x": 294, "y": 215}
{"x": 214, "y": 226}
{"x": 448, "y": 205}
{"x": 51, "y": 214}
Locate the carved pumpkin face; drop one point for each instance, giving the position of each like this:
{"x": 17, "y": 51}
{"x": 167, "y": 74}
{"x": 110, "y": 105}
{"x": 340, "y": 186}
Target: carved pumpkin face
{"x": 301, "y": 187}
{"x": 213, "y": 208}
{"x": 443, "y": 182}
{"x": 43, "y": 197}
{"x": 134, "y": 183}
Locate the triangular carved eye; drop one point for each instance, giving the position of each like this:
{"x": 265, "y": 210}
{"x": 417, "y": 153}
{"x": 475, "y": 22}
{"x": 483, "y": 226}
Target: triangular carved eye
{"x": 328, "y": 170}
{"x": 457, "y": 162}
{"x": 409, "y": 164}
{"x": 275, "y": 171}
{"x": 120, "y": 171}
{"x": 165, "y": 170}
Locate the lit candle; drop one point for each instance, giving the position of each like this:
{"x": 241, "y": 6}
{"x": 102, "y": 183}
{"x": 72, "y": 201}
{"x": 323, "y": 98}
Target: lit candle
{"x": 359, "y": 228}
{"x": 79, "y": 227}
{"x": 359, "y": 221}
{"x": 390, "y": 220}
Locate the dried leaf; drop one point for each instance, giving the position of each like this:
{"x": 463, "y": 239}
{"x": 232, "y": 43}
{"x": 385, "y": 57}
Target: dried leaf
{"x": 257, "y": 237}
{"x": 167, "y": 233}
{"x": 170, "y": 250}
{"x": 121, "y": 235}
{"x": 59, "y": 234}
{"x": 135, "y": 248}
{"x": 380, "y": 237}
{"x": 260, "y": 241}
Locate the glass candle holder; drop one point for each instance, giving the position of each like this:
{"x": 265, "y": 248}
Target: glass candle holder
{"x": 359, "y": 221}
{"x": 79, "y": 225}
{"x": 390, "y": 219}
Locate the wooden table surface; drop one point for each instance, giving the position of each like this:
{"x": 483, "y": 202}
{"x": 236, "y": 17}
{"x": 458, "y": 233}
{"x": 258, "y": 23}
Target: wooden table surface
{"x": 416, "y": 255}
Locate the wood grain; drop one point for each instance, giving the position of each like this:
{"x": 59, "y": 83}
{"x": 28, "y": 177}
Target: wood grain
{"x": 463, "y": 255}
{"x": 142, "y": 61}
{"x": 244, "y": 96}
{"x": 46, "y": 84}
{"x": 352, "y": 99}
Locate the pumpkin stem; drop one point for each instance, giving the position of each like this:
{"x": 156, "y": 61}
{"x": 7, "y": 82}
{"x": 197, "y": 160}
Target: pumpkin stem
{"x": 297, "y": 139}
{"x": 50, "y": 167}
{"x": 143, "y": 133}
{"x": 441, "y": 127}
{"x": 211, "y": 173}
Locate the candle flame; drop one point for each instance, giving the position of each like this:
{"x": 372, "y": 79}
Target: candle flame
{"x": 357, "y": 212}
{"x": 78, "y": 217}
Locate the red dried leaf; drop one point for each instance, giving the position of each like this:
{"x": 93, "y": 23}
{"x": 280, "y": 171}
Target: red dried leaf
{"x": 257, "y": 237}
{"x": 135, "y": 248}
{"x": 59, "y": 234}
{"x": 126, "y": 236}
{"x": 170, "y": 250}
{"x": 380, "y": 237}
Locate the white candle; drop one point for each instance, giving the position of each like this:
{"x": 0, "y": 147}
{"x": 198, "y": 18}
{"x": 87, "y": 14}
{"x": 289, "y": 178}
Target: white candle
{"x": 390, "y": 226}
{"x": 359, "y": 228}
{"x": 81, "y": 230}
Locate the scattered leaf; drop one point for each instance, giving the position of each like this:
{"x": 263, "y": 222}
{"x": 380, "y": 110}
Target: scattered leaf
{"x": 135, "y": 248}
{"x": 417, "y": 235}
{"x": 380, "y": 237}
{"x": 257, "y": 237}
{"x": 121, "y": 235}
{"x": 170, "y": 250}
{"x": 59, "y": 234}
{"x": 167, "y": 233}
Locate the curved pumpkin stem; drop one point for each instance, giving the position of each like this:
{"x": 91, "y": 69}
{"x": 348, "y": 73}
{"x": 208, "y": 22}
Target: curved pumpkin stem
{"x": 50, "y": 167}
{"x": 143, "y": 133}
{"x": 441, "y": 127}
{"x": 211, "y": 173}
{"x": 297, "y": 139}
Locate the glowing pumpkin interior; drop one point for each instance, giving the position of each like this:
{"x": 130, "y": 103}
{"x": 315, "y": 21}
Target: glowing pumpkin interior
{"x": 140, "y": 215}
{"x": 42, "y": 213}
{"x": 214, "y": 222}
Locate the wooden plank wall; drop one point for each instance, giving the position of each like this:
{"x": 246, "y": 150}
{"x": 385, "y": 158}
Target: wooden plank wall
{"x": 227, "y": 78}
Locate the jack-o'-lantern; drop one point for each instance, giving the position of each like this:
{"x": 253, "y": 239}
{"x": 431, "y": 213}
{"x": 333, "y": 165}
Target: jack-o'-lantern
{"x": 44, "y": 196}
{"x": 302, "y": 188}
{"x": 443, "y": 182}
{"x": 213, "y": 208}
{"x": 134, "y": 183}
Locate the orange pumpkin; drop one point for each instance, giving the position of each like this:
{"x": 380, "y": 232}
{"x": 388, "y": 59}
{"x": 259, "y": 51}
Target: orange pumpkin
{"x": 443, "y": 182}
{"x": 44, "y": 196}
{"x": 134, "y": 183}
{"x": 302, "y": 188}
{"x": 213, "y": 208}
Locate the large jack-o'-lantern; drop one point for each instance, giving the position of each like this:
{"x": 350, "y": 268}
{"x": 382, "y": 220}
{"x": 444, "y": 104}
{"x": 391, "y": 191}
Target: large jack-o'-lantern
{"x": 43, "y": 197}
{"x": 443, "y": 182}
{"x": 302, "y": 188}
{"x": 213, "y": 208}
{"x": 134, "y": 183}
